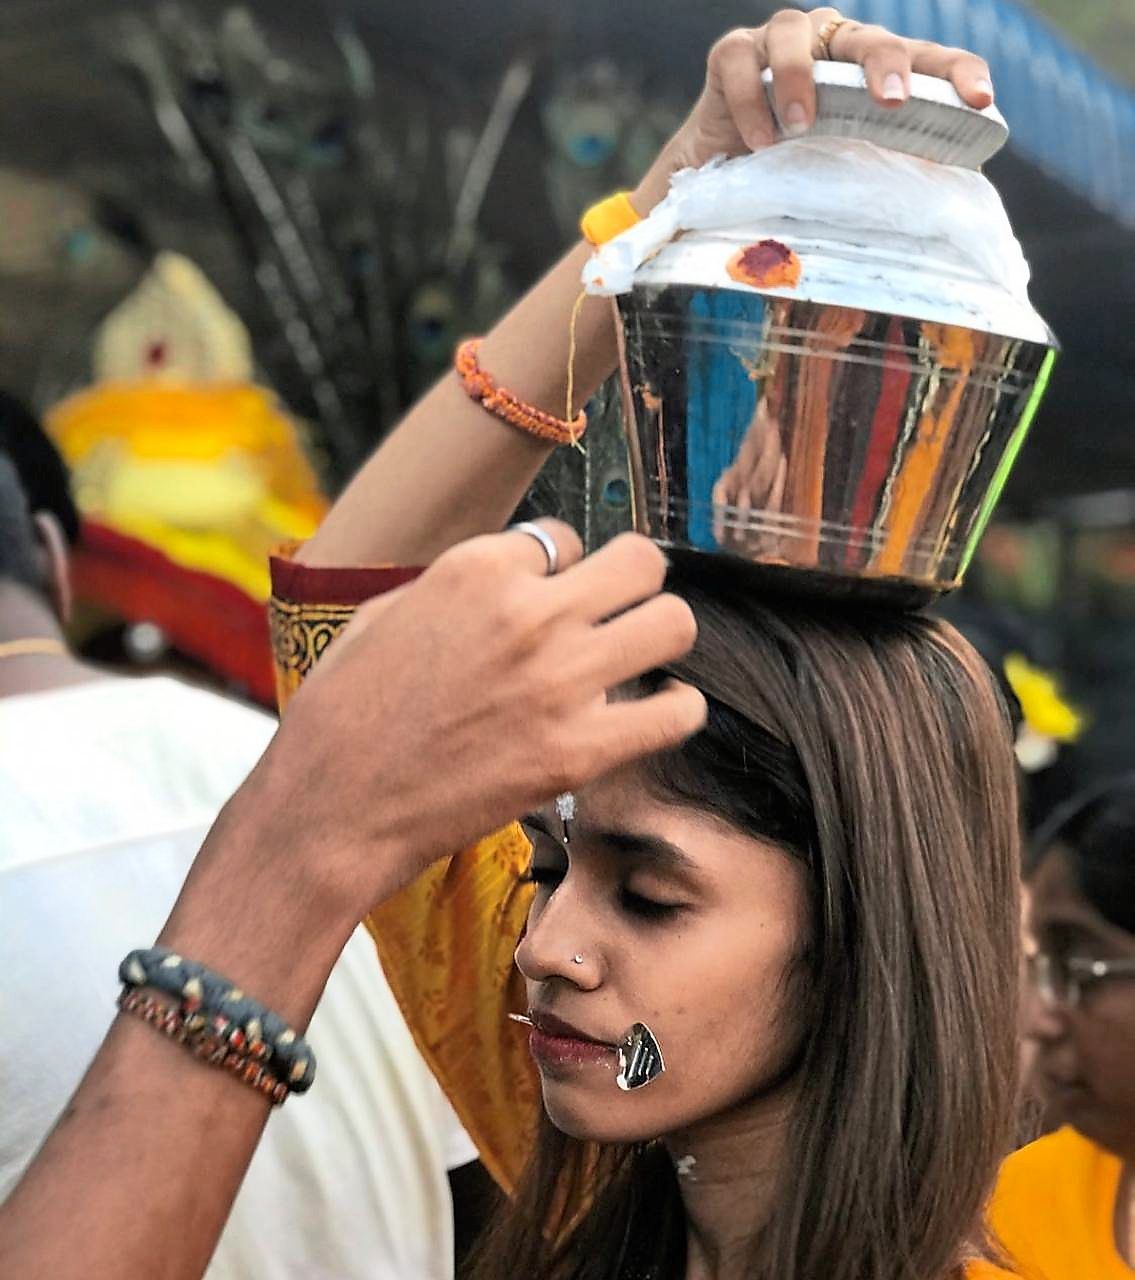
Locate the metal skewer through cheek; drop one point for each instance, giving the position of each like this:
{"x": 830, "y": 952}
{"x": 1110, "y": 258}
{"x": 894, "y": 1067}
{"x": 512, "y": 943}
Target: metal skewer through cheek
{"x": 640, "y": 1055}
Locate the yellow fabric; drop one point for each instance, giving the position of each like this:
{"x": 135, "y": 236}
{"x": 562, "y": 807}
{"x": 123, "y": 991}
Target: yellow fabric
{"x": 609, "y": 218}
{"x": 212, "y": 476}
{"x": 1044, "y": 710}
{"x": 1053, "y": 1210}
{"x": 446, "y": 943}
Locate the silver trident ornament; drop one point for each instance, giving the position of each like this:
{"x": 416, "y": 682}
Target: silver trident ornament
{"x": 565, "y": 811}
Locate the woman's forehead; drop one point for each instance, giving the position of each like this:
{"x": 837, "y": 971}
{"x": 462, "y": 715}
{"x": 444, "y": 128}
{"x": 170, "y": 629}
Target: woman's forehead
{"x": 627, "y": 804}
{"x": 1053, "y": 886}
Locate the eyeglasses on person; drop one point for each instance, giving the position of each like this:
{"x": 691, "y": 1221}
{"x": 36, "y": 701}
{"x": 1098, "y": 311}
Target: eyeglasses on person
{"x": 1063, "y": 980}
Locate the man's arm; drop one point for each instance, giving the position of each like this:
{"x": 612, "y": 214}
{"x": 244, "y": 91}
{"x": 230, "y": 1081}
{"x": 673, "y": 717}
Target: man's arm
{"x": 486, "y": 669}
{"x": 139, "y": 1174}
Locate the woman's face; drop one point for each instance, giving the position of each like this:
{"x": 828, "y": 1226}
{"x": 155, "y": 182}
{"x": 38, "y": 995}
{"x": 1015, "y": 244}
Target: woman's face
{"x": 1084, "y": 1054}
{"x": 666, "y": 916}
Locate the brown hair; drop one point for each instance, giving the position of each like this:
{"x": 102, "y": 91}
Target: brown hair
{"x": 875, "y": 748}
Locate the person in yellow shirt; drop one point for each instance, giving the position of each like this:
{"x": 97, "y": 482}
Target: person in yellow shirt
{"x": 1064, "y": 1207}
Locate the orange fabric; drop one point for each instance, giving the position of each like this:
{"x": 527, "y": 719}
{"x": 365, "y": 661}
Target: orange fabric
{"x": 446, "y": 941}
{"x": 986, "y": 1271}
{"x": 212, "y": 476}
{"x": 1053, "y": 1210}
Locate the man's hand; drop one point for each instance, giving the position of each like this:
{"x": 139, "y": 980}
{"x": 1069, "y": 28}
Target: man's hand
{"x": 445, "y": 709}
{"x": 468, "y": 697}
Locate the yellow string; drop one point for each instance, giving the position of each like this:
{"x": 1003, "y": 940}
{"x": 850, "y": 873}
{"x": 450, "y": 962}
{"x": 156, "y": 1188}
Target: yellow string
{"x": 569, "y": 416}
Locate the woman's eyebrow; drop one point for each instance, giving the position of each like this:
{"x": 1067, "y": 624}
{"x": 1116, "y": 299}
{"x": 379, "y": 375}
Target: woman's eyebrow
{"x": 642, "y": 847}
{"x": 635, "y": 845}
{"x": 1068, "y": 927}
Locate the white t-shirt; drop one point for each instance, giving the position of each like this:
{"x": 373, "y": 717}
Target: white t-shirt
{"x": 106, "y": 791}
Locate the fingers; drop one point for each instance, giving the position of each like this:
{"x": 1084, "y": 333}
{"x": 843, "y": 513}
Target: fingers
{"x": 786, "y": 44}
{"x": 628, "y": 570}
{"x": 642, "y": 727}
{"x": 735, "y": 105}
{"x": 735, "y": 64}
{"x": 968, "y": 73}
{"x": 789, "y": 39}
{"x": 885, "y": 58}
{"x": 770, "y": 459}
{"x": 524, "y": 547}
{"x": 888, "y": 61}
{"x": 776, "y": 494}
{"x": 721, "y": 499}
{"x": 648, "y": 636}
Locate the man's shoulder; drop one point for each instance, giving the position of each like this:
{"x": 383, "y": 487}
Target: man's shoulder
{"x": 113, "y": 762}
{"x": 210, "y": 707}
{"x": 109, "y": 697}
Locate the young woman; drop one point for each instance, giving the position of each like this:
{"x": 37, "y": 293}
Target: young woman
{"x": 1065, "y": 1206}
{"x": 812, "y": 907}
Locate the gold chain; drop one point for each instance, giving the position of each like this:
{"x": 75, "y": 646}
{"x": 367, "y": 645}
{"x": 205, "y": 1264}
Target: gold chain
{"x": 34, "y": 644}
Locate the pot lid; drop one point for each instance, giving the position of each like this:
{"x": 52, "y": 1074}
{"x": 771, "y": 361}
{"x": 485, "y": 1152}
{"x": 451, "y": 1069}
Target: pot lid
{"x": 934, "y": 123}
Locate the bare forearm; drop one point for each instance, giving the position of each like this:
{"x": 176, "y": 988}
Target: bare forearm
{"x": 450, "y": 470}
{"x": 137, "y": 1179}
{"x": 142, "y": 1168}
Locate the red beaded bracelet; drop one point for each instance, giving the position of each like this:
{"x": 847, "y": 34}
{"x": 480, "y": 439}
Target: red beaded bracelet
{"x": 501, "y": 402}
{"x": 215, "y": 1050}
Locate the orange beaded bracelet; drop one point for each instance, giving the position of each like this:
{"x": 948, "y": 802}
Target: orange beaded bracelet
{"x": 501, "y": 402}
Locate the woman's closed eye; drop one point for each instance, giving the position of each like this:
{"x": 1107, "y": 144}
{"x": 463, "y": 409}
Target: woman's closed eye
{"x": 549, "y": 877}
{"x": 638, "y": 904}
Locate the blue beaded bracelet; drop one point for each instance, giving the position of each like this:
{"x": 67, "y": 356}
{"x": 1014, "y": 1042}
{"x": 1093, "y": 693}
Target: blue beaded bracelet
{"x": 211, "y": 1004}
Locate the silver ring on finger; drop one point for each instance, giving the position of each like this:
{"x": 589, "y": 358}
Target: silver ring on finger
{"x": 544, "y": 538}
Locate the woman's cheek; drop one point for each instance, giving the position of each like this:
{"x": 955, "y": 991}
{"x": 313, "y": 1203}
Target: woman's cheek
{"x": 1110, "y": 1048}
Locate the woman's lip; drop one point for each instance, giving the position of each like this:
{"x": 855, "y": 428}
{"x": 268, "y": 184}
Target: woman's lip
{"x": 555, "y": 1050}
{"x": 557, "y": 1029}
{"x": 1061, "y": 1085}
